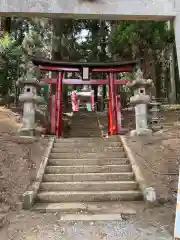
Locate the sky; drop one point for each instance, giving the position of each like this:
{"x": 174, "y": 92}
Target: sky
{"x": 83, "y": 35}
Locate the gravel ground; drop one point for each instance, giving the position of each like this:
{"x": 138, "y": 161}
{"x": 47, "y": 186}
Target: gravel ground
{"x": 38, "y": 226}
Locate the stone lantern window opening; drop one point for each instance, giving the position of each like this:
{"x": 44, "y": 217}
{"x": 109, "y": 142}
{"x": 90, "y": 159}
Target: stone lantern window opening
{"x": 142, "y": 91}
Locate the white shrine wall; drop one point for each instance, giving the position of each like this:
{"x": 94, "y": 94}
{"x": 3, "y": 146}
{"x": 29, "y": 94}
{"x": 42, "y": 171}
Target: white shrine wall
{"x": 106, "y": 9}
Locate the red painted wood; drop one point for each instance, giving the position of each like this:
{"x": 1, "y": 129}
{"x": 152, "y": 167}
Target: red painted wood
{"x": 81, "y": 82}
{"x": 113, "y": 69}
{"x": 109, "y": 107}
{"x": 115, "y": 127}
{"x": 56, "y": 107}
{"x": 59, "y": 105}
{"x": 113, "y": 103}
{"x": 118, "y": 111}
{"x": 57, "y": 69}
{"x": 105, "y": 69}
{"x": 53, "y": 114}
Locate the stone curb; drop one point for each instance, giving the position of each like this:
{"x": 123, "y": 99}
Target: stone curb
{"x": 29, "y": 196}
{"x": 148, "y": 192}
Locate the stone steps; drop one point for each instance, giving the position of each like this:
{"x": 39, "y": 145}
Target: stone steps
{"x": 83, "y": 135}
{"x": 93, "y": 140}
{"x": 88, "y": 126}
{"x": 89, "y": 155}
{"x": 92, "y": 207}
{"x": 94, "y": 161}
{"x": 89, "y": 186}
{"x": 85, "y": 149}
{"x": 88, "y": 196}
{"x": 78, "y": 177}
{"x": 85, "y": 124}
{"x": 86, "y": 144}
{"x": 88, "y": 169}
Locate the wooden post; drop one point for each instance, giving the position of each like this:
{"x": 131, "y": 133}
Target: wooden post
{"x": 59, "y": 105}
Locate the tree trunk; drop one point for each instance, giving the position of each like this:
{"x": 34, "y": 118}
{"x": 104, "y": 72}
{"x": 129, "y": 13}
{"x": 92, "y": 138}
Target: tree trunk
{"x": 6, "y": 25}
{"x": 172, "y": 95}
{"x": 157, "y": 73}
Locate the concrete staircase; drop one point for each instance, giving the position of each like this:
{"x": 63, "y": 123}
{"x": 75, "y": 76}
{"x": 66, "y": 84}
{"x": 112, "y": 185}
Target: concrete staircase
{"x": 82, "y": 170}
{"x": 84, "y": 124}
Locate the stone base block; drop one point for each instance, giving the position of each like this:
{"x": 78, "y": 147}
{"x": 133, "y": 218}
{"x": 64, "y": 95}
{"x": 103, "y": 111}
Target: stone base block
{"x": 28, "y": 200}
{"x": 123, "y": 131}
{"x": 29, "y": 132}
{"x": 156, "y": 128}
{"x": 140, "y": 132}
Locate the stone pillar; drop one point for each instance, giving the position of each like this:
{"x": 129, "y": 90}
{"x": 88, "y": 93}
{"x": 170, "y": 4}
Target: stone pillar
{"x": 140, "y": 101}
{"x": 30, "y": 99}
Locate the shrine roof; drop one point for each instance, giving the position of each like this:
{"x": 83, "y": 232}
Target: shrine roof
{"x": 44, "y": 62}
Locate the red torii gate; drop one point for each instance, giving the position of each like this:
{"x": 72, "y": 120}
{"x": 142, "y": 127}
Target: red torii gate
{"x": 85, "y": 69}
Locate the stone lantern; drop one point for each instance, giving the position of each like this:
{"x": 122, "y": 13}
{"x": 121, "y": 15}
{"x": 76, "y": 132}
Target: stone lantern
{"x": 140, "y": 101}
{"x": 30, "y": 99}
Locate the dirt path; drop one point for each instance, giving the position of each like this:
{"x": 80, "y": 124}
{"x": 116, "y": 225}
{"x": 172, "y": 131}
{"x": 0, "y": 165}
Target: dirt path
{"x": 19, "y": 161}
{"x": 158, "y": 158}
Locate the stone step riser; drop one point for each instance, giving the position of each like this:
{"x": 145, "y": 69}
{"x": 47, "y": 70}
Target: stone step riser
{"x": 85, "y": 125}
{"x": 77, "y": 162}
{"x": 84, "y": 134}
{"x": 87, "y": 155}
{"x": 80, "y": 130}
{"x": 80, "y": 135}
{"x": 87, "y": 145}
{"x": 85, "y": 122}
{"x": 86, "y": 116}
{"x": 88, "y": 177}
{"x": 75, "y": 128}
{"x": 92, "y": 209}
{"x": 88, "y": 186}
{"x": 86, "y": 142}
{"x": 54, "y": 197}
{"x": 87, "y": 169}
{"x": 89, "y": 140}
{"x": 86, "y": 149}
